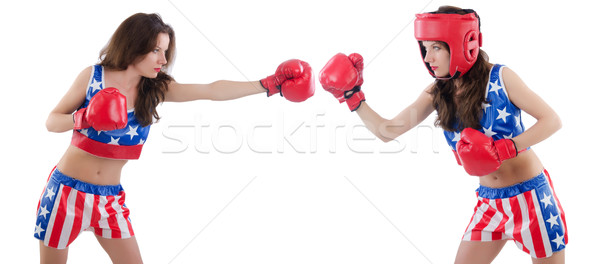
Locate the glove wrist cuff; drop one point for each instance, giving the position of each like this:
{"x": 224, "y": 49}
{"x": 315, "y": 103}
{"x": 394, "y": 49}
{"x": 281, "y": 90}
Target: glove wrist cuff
{"x": 354, "y": 99}
{"x": 507, "y": 149}
{"x": 269, "y": 84}
{"x": 79, "y": 121}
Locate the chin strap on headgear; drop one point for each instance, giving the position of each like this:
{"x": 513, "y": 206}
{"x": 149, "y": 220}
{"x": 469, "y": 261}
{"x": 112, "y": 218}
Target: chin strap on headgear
{"x": 459, "y": 31}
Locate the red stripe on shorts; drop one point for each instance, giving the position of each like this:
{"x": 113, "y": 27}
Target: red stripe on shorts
{"x": 96, "y": 216}
{"x": 515, "y": 208}
{"x": 125, "y": 212}
{"x": 497, "y": 234}
{"x": 534, "y": 227}
{"x": 484, "y": 221}
{"x": 59, "y": 220}
{"x": 112, "y": 217}
{"x": 79, "y": 205}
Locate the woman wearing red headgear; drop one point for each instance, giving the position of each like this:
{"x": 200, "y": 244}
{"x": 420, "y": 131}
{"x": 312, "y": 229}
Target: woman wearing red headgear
{"x": 482, "y": 125}
{"x": 83, "y": 191}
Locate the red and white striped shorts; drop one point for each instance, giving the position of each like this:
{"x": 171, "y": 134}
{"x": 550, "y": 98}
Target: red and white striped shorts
{"x": 528, "y": 213}
{"x": 69, "y": 206}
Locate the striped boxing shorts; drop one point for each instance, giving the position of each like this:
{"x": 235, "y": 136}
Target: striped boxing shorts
{"x": 69, "y": 206}
{"x": 528, "y": 213}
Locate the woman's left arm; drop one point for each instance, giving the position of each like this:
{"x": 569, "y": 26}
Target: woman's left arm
{"x": 292, "y": 79}
{"x": 521, "y": 96}
{"x": 216, "y": 91}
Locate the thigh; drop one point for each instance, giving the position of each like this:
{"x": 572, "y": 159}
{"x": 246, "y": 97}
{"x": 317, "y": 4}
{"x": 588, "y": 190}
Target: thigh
{"x": 52, "y": 255}
{"x": 475, "y": 252}
{"x": 556, "y": 258}
{"x": 121, "y": 250}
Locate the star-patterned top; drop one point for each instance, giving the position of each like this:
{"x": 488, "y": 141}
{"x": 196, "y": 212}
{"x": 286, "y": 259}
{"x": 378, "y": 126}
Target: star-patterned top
{"x": 501, "y": 118}
{"x": 133, "y": 134}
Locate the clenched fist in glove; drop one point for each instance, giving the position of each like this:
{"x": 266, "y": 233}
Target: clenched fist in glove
{"x": 293, "y": 79}
{"x": 481, "y": 155}
{"x": 106, "y": 111}
{"x": 342, "y": 77}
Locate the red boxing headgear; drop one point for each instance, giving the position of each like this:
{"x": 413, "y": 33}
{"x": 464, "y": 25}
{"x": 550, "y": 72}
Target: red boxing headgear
{"x": 459, "y": 31}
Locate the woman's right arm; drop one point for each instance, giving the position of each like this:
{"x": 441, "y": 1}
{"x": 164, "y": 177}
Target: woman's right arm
{"x": 387, "y": 130}
{"x": 60, "y": 118}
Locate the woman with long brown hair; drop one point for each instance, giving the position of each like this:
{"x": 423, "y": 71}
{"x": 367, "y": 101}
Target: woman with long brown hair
{"x": 110, "y": 108}
{"x": 478, "y": 105}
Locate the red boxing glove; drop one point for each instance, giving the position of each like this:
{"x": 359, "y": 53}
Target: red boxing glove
{"x": 342, "y": 77}
{"x": 107, "y": 110}
{"x": 481, "y": 155}
{"x": 79, "y": 119}
{"x": 293, "y": 79}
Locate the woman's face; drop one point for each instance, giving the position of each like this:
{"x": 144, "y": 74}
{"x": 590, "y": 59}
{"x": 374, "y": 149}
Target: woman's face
{"x": 152, "y": 62}
{"x": 438, "y": 57}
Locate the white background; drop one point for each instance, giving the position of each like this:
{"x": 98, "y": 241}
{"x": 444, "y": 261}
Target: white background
{"x": 263, "y": 180}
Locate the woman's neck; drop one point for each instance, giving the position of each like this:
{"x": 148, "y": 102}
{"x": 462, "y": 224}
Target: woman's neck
{"x": 125, "y": 79}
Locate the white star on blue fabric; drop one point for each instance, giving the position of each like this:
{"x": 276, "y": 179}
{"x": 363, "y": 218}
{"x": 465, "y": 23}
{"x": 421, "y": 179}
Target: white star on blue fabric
{"x": 39, "y": 229}
{"x": 132, "y": 131}
{"x": 84, "y": 132}
{"x": 546, "y": 200}
{"x": 456, "y": 137}
{"x": 502, "y": 114}
{"x": 95, "y": 85}
{"x": 488, "y": 131}
{"x": 44, "y": 211}
{"x": 114, "y": 141}
{"x": 553, "y": 220}
{"x": 50, "y": 193}
{"x": 518, "y": 120}
{"x": 509, "y": 136}
{"x": 485, "y": 105}
{"x": 494, "y": 88}
{"x": 559, "y": 240}
{"x": 141, "y": 142}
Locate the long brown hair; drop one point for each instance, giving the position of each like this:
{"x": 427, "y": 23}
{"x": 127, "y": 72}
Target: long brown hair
{"x": 133, "y": 39}
{"x": 465, "y": 111}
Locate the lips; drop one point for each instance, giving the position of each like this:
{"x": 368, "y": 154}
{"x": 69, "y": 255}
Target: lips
{"x": 157, "y": 69}
{"x": 434, "y": 68}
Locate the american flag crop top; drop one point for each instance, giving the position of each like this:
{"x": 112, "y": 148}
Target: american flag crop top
{"x": 125, "y": 143}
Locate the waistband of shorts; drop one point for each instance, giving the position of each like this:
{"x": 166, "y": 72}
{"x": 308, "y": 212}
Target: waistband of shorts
{"x": 104, "y": 190}
{"x": 514, "y": 190}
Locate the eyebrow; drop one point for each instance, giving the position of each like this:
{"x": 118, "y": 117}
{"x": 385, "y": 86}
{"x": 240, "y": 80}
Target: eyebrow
{"x": 158, "y": 47}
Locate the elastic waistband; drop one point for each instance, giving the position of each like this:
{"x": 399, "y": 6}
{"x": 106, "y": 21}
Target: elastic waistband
{"x": 104, "y": 190}
{"x": 514, "y": 190}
